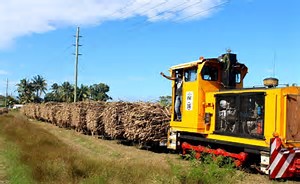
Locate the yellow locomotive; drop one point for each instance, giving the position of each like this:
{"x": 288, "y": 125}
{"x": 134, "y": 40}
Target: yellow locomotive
{"x": 257, "y": 126}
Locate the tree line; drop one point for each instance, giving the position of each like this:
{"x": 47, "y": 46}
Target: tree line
{"x": 35, "y": 90}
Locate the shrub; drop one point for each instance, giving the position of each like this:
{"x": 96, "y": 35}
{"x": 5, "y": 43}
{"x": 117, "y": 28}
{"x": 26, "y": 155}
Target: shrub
{"x": 207, "y": 169}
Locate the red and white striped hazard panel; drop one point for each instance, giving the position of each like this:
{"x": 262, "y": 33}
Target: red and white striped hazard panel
{"x": 283, "y": 162}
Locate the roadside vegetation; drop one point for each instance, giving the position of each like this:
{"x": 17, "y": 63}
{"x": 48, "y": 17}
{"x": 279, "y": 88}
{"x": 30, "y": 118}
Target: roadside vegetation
{"x": 35, "y": 90}
{"x": 206, "y": 169}
{"x": 42, "y": 153}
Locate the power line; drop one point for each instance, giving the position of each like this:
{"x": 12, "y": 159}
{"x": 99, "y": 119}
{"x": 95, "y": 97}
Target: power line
{"x": 146, "y": 22}
{"x": 189, "y": 6}
{"x": 59, "y": 54}
{"x": 176, "y": 6}
{"x": 176, "y": 9}
{"x": 121, "y": 9}
{"x": 158, "y": 5}
{"x": 130, "y": 4}
{"x": 159, "y": 13}
{"x": 274, "y": 63}
{"x": 213, "y": 7}
{"x": 142, "y": 6}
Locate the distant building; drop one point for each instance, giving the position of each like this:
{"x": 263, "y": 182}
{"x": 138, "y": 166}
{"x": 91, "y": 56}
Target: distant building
{"x": 17, "y": 106}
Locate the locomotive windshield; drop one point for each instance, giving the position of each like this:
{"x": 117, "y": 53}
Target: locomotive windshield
{"x": 190, "y": 74}
{"x": 209, "y": 73}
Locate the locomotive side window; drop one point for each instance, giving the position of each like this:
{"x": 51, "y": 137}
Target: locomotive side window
{"x": 209, "y": 73}
{"x": 190, "y": 75}
{"x": 240, "y": 115}
{"x": 238, "y": 77}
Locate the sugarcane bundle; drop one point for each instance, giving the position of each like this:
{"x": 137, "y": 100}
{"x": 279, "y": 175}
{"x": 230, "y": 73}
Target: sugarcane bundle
{"x": 63, "y": 115}
{"x": 94, "y": 118}
{"x": 78, "y": 116}
{"x": 53, "y": 112}
{"x": 114, "y": 117}
{"x": 146, "y": 122}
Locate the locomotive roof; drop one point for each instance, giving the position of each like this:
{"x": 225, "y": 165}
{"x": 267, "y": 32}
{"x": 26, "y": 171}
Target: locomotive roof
{"x": 192, "y": 63}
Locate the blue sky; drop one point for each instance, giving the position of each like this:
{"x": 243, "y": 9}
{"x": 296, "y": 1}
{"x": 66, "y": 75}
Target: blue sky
{"x": 127, "y": 43}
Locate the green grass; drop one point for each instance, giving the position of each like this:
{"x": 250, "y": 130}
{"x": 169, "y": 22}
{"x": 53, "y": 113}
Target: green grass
{"x": 37, "y": 156}
{"x": 208, "y": 169}
{"x": 46, "y": 159}
{"x": 16, "y": 171}
{"x": 41, "y": 154}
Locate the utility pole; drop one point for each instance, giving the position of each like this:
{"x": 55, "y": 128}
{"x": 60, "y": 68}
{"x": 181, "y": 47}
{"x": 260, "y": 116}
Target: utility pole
{"x": 6, "y": 92}
{"x": 76, "y": 63}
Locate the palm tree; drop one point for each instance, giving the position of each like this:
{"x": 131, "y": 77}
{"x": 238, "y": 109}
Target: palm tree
{"x": 25, "y": 90}
{"x": 39, "y": 85}
{"x": 54, "y": 95}
{"x": 66, "y": 92}
{"x": 55, "y": 87}
{"x": 55, "y": 92}
{"x": 83, "y": 93}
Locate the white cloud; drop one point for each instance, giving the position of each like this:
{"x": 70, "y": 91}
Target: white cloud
{"x": 23, "y": 17}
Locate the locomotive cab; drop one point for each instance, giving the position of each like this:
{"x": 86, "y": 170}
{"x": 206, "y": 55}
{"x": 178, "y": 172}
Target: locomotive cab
{"x": 199, "y": 78}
